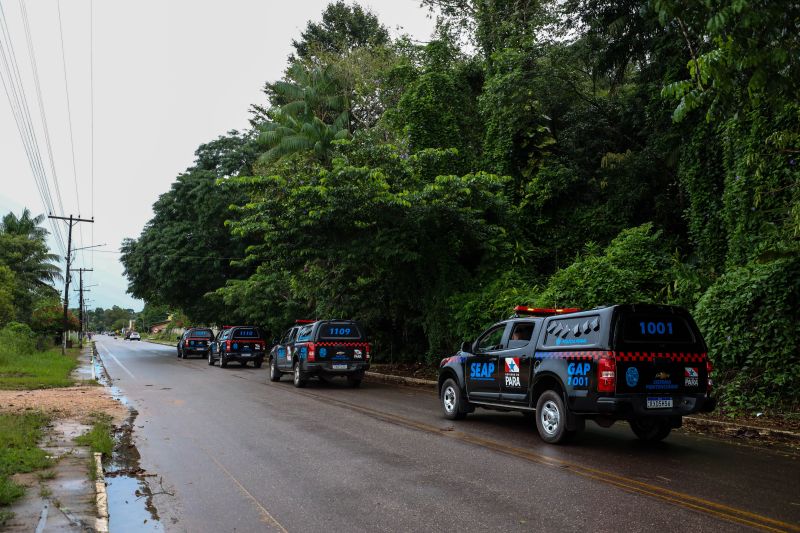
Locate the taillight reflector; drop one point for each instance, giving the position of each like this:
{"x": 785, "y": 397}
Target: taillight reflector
{"x": 368, "y": 350}
{"x": 606, "y": 374}
{"x": 228, "y": 345}
{"x": 312, "y": 351}
{"x": 709, "y": 369}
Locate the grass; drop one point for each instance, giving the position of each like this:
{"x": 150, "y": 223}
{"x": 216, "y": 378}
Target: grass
{"x": 19, "y": 437}
{"x": 98, "y": 438}
{"x": 37, "y": 370}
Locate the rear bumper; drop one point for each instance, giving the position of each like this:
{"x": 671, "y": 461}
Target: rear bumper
{"x": 316, "y": 369}
{"x": 244, "y": 356}
{"x": 636, "y": 406}
{"x": 196, "y": 350}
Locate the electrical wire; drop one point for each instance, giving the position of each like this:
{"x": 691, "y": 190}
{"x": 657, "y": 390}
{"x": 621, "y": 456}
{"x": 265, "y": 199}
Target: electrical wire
{"x": 15, "y": 92}
{"x": 45, "y": 128}
{"x": 69, "y": 121}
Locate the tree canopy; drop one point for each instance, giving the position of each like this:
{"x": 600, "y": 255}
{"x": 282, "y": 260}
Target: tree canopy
{"x": 574, "y": 153}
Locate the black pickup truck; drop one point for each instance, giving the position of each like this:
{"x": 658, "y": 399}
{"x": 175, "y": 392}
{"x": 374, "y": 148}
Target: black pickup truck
{"x": 323, "y": 348}
{"x": 646, "y": 364}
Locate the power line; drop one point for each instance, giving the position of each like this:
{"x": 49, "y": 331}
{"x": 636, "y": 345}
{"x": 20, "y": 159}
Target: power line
{"x": 15, "y": 92}
{"x": 69, "y": 120}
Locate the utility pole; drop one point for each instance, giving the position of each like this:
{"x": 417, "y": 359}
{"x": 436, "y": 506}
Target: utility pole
{"x": 72, "y": 221}
{"x": 81, "y": 290}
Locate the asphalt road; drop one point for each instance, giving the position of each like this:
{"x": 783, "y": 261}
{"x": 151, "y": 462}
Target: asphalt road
{"x": 240, "y": 453}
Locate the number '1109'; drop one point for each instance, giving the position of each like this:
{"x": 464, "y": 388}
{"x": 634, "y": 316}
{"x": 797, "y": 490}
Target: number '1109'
{"x": 656, "y": 328}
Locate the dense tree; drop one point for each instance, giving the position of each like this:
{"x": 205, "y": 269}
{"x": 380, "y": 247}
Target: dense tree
{"x": 23, "y": 249}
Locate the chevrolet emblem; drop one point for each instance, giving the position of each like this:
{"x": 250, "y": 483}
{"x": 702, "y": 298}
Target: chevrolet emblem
{"x": 662, "y": 375}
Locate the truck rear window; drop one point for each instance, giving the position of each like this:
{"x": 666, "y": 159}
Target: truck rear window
{"x": 200, "y": 333}
{"x": 246, "y": 333}
{"x": 656, "y": 328}
{"x": 340, "y": 330}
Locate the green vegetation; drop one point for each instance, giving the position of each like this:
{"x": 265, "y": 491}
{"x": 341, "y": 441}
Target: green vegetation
{"x": 581, "y": 153}
{"x": 22, "y": 366}
{"x": 99, "y": 438}
{"x": 19, "y": 437}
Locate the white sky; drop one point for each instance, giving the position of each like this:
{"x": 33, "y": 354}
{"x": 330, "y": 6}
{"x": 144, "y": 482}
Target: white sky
{"x": 169, "y": 75}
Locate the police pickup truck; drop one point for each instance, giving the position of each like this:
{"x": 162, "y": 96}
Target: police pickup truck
{"x": 646, "y": 364}
{"x": 322, "y": 348}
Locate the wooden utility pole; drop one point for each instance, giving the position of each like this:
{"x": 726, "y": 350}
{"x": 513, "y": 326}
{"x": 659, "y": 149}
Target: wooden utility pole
{"x": 81, "y": 290}
{"x": 65, "y": 327}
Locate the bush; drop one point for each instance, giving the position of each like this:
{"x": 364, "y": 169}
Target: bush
{"x": 634, "y": 268}
{"x": 750, "y": 321}
{"x": 17, "y": 339}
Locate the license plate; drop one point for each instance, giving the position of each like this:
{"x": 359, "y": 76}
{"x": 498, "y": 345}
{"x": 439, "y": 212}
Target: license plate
{"x": 339, "y": 367}
{"x": 659, "y": 403}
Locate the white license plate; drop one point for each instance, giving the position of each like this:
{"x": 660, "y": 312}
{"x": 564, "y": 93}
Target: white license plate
{"x": 339, "y": 367}
{"x": 659, "y": 403}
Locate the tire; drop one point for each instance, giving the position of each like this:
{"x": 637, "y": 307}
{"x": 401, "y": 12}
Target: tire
{"x": 243, "y": 363}
{"x": 551, "y": 418}
{"x": 297, "y": 374}
{"x": 454, "y": 406}
{"x": 210, "y": 359}
{"x": 274, "y": 373}
{"x": 651, "y": 428}
{"x": 223, "y": 361}
{"x": 179, "y": 353}
{"x": 354, "y": 381}
{"x": 258, "y": 362}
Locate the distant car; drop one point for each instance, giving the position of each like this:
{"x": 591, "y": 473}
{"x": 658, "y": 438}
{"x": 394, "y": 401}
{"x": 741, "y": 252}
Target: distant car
{"x": 238, "y": 343}
{"x": 325, "y": 349}
{"x": 134, "y": 336}
{"x": 194, "y": 341}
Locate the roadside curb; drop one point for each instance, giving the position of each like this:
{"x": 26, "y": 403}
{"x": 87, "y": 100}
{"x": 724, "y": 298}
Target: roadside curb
{"x": 402, "y": 380}
{"x": 696, "y": 422}
{"x": 101, "y": 524}
{"x": 162, "y": 343}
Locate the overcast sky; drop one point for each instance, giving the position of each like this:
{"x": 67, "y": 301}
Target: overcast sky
{"x": 168, "y": 76}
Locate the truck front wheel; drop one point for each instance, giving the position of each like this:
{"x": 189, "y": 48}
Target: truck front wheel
{"x": 453, "y": 403}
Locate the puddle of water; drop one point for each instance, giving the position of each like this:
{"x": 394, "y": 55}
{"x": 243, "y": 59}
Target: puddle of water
{"x": 130, "y": 498}
{"x": 127, "y": 508}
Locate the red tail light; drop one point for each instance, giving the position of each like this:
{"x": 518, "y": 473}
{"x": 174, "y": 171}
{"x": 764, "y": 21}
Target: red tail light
{"x": 606, "y": 374}
{"x": 368, "y": 350}
{"x": 228, "y": 345}
{"x": 312, "y": 351}
{"x": 709, "y": 369}
{"x": 186, "y": 342}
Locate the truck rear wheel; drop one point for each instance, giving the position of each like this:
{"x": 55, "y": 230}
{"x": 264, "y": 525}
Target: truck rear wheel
{"x": 299, "y": 377}
{"x": 651, "y": 428}
{"x": 551, "y": 418}
{"x": 453, "y": 403}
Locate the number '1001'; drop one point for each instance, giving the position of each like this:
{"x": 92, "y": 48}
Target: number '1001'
{"x": 656, "y": 328}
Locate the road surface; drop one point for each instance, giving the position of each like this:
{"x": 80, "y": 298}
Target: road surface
{"x": 242, "y": 454}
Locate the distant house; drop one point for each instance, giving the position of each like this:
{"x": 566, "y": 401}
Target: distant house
{"x": 159, "y": 327}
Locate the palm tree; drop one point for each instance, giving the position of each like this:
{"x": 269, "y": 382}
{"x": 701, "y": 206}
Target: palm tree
{"x": 23, "y": 248}
{"x": 313, "y": 114}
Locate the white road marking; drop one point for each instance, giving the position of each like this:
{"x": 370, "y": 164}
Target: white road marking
{"x": 123, "y": 367}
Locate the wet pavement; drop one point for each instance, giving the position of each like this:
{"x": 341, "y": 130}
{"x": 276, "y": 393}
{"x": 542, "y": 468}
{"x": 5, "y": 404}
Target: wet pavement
{"x": 233, "y": 451}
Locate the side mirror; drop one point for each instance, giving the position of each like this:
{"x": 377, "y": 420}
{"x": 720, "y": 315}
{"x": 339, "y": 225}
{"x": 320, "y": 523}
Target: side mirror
{"x": 466, "y": 346}
{"x": 275, "y": 341}
{"x": 178, "y": 338}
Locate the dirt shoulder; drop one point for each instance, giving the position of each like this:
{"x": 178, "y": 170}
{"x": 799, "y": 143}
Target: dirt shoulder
{"x": 77, "y": 402}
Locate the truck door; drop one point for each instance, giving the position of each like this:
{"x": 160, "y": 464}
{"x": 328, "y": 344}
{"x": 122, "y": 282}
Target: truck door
{"x": 515, "y": 362}
{"x": 482, "y": 372}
